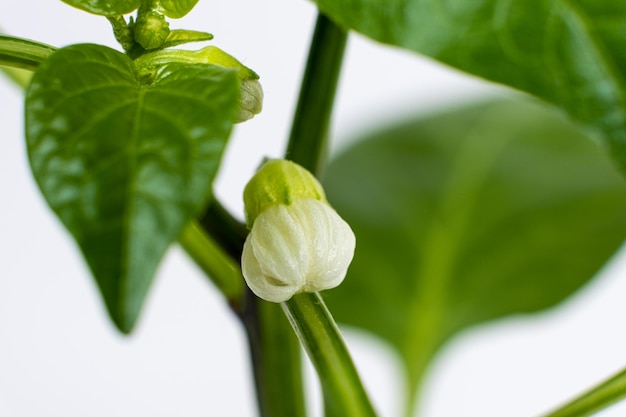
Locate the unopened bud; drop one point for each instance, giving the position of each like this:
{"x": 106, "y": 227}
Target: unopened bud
{"x": 151, "y": 30}
{"x": 279, "y": 181}
{"x": 297, "y": 242}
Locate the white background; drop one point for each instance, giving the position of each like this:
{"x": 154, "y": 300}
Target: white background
{"x": 60, "y": 357}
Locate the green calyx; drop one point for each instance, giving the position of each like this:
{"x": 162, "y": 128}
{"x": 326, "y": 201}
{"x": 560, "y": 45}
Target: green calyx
{"x": 279, "y": 181}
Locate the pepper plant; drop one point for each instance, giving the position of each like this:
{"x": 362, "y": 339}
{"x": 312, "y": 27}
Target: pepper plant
{"x": 461, "y": 218}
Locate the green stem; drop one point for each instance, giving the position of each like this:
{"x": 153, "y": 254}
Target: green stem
{"x": 23, "y": 53}
{"x": 122, "y": 32}
{"x": 320, "y": 336}
{"x": 274, "y": 350}
{"x": 308, "y": 138}
{"x": 344, "y": 394}
{"x": 214, "y": 261}
{"x": 276, "y": 360}
{"x": 596, "y": 399}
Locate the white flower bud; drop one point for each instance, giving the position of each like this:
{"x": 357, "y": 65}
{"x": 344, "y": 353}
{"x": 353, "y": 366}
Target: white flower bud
{"x": 297, "y": 242}
{"x": 303, "y": 247}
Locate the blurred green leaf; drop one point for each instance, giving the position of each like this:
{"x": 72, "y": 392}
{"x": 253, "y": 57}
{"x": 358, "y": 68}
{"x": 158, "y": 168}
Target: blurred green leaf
{"x": 176, "y": 8}
{"x": 568, "y": 52}
{"x": 105, "y": 7}
{"x": 470, "y": 216}
{"x": 126, "y": 165}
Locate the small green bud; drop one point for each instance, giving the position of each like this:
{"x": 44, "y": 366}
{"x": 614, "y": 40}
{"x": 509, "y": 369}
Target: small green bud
{"x": 151, "y": 30}
{"x": 297, "y": 242}
{"x": 279, "y": 181}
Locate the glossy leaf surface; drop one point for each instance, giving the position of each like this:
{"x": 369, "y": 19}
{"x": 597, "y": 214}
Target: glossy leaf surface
{"x": 105, "y": 7}
{"x": 475, "y": 215}
{"x": 177, "y": 8}
{"x": 126, "y": 165}
{"x": 568, "y": 52}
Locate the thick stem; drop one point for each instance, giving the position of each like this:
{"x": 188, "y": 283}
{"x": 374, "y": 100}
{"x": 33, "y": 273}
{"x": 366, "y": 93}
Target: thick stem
{"x": 122, "y": 32}
{"x": 318, "y": 333}
{"x": 308, "y": 139}
{"x": 276, "y": 360}
{"x": 274, "y": 349}
{"x": 596, "y": 399}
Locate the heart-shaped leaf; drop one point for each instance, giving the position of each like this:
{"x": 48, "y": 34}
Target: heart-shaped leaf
{"x": 125, "y": 165}
{"x": 105, "y": 7}
{"x": 488, "y": 211}
{"x": 176, "y": 8}
{"x": 568, "y": 52}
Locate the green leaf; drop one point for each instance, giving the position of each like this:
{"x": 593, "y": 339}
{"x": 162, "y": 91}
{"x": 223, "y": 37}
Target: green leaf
{"x": 126, "y": 165}
{"x": 568, "y": 52}
{"x": 181, "y": 36}
{"x": 176, "y": 8}
{"x": 105, "y": 7}
{"x": 470, "y": 216}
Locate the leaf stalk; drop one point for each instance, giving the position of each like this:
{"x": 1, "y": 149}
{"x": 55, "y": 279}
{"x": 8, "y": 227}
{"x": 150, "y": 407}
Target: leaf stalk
{"x": 596, "y": 399}
{"x": 23, "y": 53}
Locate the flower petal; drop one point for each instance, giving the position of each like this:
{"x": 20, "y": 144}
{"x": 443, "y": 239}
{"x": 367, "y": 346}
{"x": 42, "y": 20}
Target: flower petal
{"x": 264, "y": 286}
